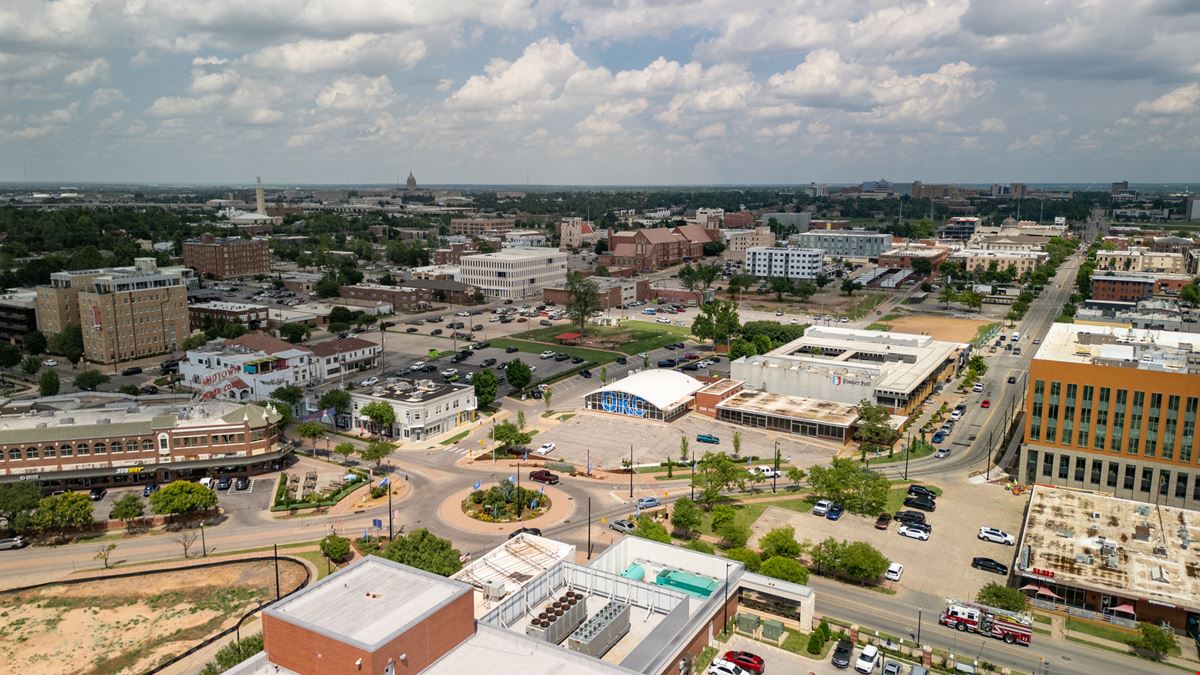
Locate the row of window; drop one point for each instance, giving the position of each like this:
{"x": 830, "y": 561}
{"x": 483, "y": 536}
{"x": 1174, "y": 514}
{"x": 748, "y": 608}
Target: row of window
{"x": 77, "y": 450}
{"x": 1109, "y": 474}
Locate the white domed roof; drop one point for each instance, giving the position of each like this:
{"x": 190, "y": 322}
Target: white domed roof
{"x": 660, "y": 387}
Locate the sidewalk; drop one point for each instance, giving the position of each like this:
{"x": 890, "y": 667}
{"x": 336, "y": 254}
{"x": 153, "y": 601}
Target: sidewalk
{"x": 1059, "y": 631}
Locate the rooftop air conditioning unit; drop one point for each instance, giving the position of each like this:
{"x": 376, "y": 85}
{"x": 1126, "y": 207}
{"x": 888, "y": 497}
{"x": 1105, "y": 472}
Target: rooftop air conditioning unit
{"x": 494, "y": 590}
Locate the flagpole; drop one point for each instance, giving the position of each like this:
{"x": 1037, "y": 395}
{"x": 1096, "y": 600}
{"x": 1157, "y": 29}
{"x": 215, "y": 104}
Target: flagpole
{"x": 391, "y": 534}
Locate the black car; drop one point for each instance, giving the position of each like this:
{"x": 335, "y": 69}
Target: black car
{"x": 671, "y": 347}
{"x": 488, "y": 363}
{"x": 910, "y": 517}
{"x": 714, "y": 359}
{"x": 842, "y": 653}
{"x": 477, "y": 327}
{"x": 536, "y": 393}
{"x": 410, "y": 329}
{"x": 678, "y": 345}
{"x": 97, "y": 493}
{"x": 511, "y": 350}
{"x": 922, "y": 503}
{"x": 388, "y": 324}
{"x": 170, "y": 363}
{"x": 921, "y": 491}
{"x": 689, "y": 366}
{"x": 429, "y": 368}
{"x": 132, "y": 370}
{"x": 536, "y": 531}
{"x": 666, "y": 363}
{"x": 576, "y": 360}
{"x": 622, "y": 360}
{"x": 989, "y": 565}
{"x": 586, "y": 373}
{"x": 242, "y": 483}
{"x": 148, "y": 389}
{"x": 561, "y": 357}
{"x": 508, "y": 302}
{"x": 436, "y": 331}
{"x": 224, "y": 482}
{"x": 483, "y": 345}
{"x": 457, "y": 358}
{"x": 1012, "y": 379}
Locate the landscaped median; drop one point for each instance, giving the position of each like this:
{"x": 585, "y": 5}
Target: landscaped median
{"x": 287, "y": 499}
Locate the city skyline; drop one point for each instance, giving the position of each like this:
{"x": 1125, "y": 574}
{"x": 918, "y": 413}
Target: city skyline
{"x": 571, "y": 93}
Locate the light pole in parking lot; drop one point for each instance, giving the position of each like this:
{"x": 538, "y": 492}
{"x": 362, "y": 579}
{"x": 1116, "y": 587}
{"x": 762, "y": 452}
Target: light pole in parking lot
{"x": 775, "y": 473}
{"x": 631, "y": 470}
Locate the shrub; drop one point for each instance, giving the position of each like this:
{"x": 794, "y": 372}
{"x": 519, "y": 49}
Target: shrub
{"x": 378, "y": 491}
{"x": 780, "y": 541}
{"x": 824, "y": 630}
{"x": 745, "y": 556}
{"x": 786, "y": 569}
{"x": 699, "y": 545}
{"x": 561, "y": 467}
{"x": 335, "y": 548}
{"x": 733, "y": 534}
{"x": 815, "y": 643}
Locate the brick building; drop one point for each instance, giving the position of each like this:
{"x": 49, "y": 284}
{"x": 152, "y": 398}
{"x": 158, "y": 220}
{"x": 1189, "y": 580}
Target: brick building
{"x": 227, "y": 257}
{"x": 250, "y": 316}
{"x": 612, "y": 292}
{"x": 1122, "y": 288}
{"x": 480, "y": 226}
{"x": 650, "y": 249}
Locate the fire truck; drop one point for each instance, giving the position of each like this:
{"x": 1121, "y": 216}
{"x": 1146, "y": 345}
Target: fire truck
{"x": 1012, "y": 627}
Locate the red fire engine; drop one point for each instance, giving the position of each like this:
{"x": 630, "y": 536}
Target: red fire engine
{"x": 1012, "y": 627}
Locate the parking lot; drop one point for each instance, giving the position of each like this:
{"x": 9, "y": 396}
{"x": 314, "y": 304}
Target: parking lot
{"x": 400, "y": 363}
{"x": 938, "y": 568}
{"x": 238, "y": 505}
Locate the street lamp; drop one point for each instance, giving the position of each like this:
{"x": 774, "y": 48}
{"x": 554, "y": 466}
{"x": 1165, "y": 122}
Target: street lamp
{"x": 775, "y": 473}
{"x": 725, "y": 605}
{"x": 631, "y": 471}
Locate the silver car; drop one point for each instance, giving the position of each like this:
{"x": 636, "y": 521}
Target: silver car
{"x": 13, "y": 542}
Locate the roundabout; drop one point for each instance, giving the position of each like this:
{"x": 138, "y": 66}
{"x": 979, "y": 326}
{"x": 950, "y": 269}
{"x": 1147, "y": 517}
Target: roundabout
{"x": 451, "y": 512}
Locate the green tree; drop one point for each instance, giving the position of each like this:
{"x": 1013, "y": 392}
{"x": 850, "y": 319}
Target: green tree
{"x": 733, "y": 534}
{"x": 345, "y": 450}
{"x": 947, "y": 295}
{"x": 335, "y": 548}
{"x": 18, "y": 500}
{"x": 381, "y": 414}
{"x": 338, "y": 399}
{"x": 699, "y": 545}
{"x": 796, "y": 475}
{"x": 30, "y": 365}
{"x": 685, "y": 516}
{"x": 971, "y": 299}
{"x": 750, "y": 559}
{"x": 518, "y": 374}
{"x": 786, "y": 569}
{"x": 48, "y": 384}
{"x": 603, "y": 375}
{"x": 35, "y": 343}
{"x": 547, "y": 394}
{"x": 822, "y": 280}
{"x": 874, "y": 424}
{"x": 739, "y": 348}
{"x": 68, "y": 343}
{"x": 310, "y": 430}
{"x": 683, "y": 448}
{"x": 487, "y": 386}
{"x": 1156, "y": 640}
{"x": 780, "y": 286}
{"x": 737, "y": 444}
{"x": 293, "y": 332}
{"x": 583, "y": 299}
{"x": 714, "y": 473}
{"x": 762, "y": 343}
{"x": 62, "y": 512}
{"x": 1004, "y": 597}
{"x": 844, "y": 481}
{"x": 804, "y": 291}
{"x": 290, "y": 394}
{"x": 426, "y": 551}
{"x": 863, "y": 562}
{"x": 520, "y": 420}
{"x": 131, "y": 389}
{"x": 194, "y": 341}
{"x": 10, "y": 355}
{"x": 182, "y": 498}
{"x": 815, "y": 644}
{"x": 849, "y": 286}
{"x": 509, "y": 435}
{"x": 128, "y": 509}
{"x": 717, "y": 321}
{"x": 1191, "y": 293}
{"x": 649, "y": 528}
{"x": 105, "y": 553}
{"x": 723, "y": 514}
{"x": 922, "y": 266}
{"x": 780, "y": 541}
{"x": 376, "y": 452}
{"x": 90, "y": 379}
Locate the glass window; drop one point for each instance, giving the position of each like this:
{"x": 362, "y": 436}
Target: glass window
{"x": 1181, "y": 481}
{"x": 1085, "y": 416}
{"x": 1031, "y": 464}
{"x": 1080, "y": 467}
{"x": 1035, "y": 420}
{"x": 1130, "y": 472}
{"x": 1048, "y": 464}
{"x": 1172, "y": 421}
{"x": 1152, "y": 421}
{"x": 1135, "y": 422}
{"x": 1113, "y": 470}
{"x": 1096, "y": 471}
{"x": 1064, "y": 466}
{"x": 1187, "y": 439}
{"x": 1118, "y": 421}
{"x": 1147, "y": 479}
{"x": 1164, "y": 481}
{"x": 1068, "y": 422}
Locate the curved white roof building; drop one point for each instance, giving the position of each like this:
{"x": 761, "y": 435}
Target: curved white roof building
{"x": 661, "y": 394}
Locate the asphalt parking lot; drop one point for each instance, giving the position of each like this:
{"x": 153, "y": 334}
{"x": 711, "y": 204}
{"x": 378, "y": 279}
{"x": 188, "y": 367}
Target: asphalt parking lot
{"x": 400, "y": 365}
{"x": 940, "y": 567}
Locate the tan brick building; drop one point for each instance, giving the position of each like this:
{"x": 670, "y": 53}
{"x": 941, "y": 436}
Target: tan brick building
{"x": 478, "y": 226}
{"x": 227, "y": 257}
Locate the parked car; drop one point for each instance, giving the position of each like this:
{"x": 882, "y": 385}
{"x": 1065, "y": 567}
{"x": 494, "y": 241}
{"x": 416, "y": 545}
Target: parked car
{"x": 914, "y": 532}
{"x": 511, "y": 350}
{"x": 449, "y": 372}
{"x": 224, "y": 483}
{"x": 546, "y": 322}
{"x": 131, "y": 370}
{"x": 149, "y": 489}
{"x": 436, "y": 331}
{"x": 835, "y": 512}
{"x": 622, "y": 360}
{"x": 891, "y": 668}
{"x": 939, "y": 437}
{"x": 921, "y": 491}
{"x": 690, "y": 366}
{"x": 148, "y": 390}
{"x": 989, "y": 565}
{"x": 909, "y": 517}
{"x": 746, "y": 661}
{"x": 547, "y": 447}
{"x": 536, "y": 531}
{"x": 585, "y": 373}
{"x": 410, "y": 329}
{"x": 97, "y": 493}
{"x": 707, "y": 438}
{"x": 978, "y": 387}
{"x": 894, "y": 572}
{"x": 10, "y": 543}
{"x": 923, "y": 503}
{"x": 822, "y": 507}
{"x": 997, "y": 536}
{"x": 723, "y": 667}
{"x": 1012, "y": 379}
{"x": 543, "y": 476}
{"x": 866, "y": 659}
{"x": 842, "y": 653}
{"x": 987, "y": 403}
{"x": 622, "y": 525}
{"x": 370, "y": 382}
{"x": 50, "y": 363}
{"x": 648, "y": 502}
{"x": 241, "y": 483}
{"x": 882, "y": 522}
{"x": 576, "y": 360}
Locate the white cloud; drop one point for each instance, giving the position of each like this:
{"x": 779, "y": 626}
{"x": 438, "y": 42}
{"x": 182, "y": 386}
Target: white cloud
{"x": 104, "y": 97}
{"x": 362, "y": 50}
{"x": 993, "y": 125}
{"x": 1183, "y": 100}
{"x": 536, "y": 76}
{"x": 357, "y": 92}
{"x": 204, "y": 82}
{"x": 712, "y": 131}
{"x": 96, "y": 69}
{"x": 183, "y": 106}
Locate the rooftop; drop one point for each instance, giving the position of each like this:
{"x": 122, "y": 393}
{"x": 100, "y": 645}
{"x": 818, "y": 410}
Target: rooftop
{"x": 513, "y": 564}
{"x": 661, "y": 387}
{"x": 981, "y": 253}
{"x": 720, "y": 387}
{"x": 516, "y": 254}
{"x": 411, "y": 391}
{"x": 1102, "y": 542}
{"x": 373, "y": 600}
{"x": 1139, "y": 348}
{"x": 916, "y": 252}
{"x": 496, "y": 651}
{"x": 340, "y": 346}
{"x": 124, "y": 419}
{"x": 260, "y": 342}
{"x": 219, "y": 306}
{"x": 795, "y": 407}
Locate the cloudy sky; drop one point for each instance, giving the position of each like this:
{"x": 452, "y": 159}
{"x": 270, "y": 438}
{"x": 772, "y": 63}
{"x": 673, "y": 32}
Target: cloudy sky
{"x": 599, "y": 91}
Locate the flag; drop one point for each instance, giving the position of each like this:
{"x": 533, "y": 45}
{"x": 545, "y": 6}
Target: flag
{"x": 475, "y": 486}
{"x": 496, "y": 512}
{"x": 364, "y": 534}
{"x": 533, "y": 503}
{"x": 512, "y": 478}
{"x": 385, "y": 482}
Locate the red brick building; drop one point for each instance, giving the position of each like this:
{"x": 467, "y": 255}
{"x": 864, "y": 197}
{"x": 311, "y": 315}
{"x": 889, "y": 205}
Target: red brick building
{"x": 655, "y": 248}
{"x": 1122, "y": 288}
{"x": 738, "y": 220}
{"x": 227, "y": 257}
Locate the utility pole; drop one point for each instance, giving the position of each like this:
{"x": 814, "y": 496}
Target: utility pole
{"x": 391, "y": 533}
{"x": 693, "y": 481}
{"x": 276, "y": 556}
{"x": 775, "y": 473}
{"x": 631, "y": 470}
{"x": 589, "y": 544}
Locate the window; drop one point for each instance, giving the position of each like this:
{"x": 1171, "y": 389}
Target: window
{"x": 1035, "y": 420}
{"x": 1164, "y": 481}
{"x": 1064, "y": 465}
{"x": 1152, "y": 420}
{"x": 1135, "y": 421}
{"x": 1052, "y": 413}
{"x": 1129, "y": 474}
{"x": 1118, "y": 425}
{"x": 82, "y": 449}
{"x": 1147, "y": 479}
{"x": 1113, "y": 470}
{"x": 1068, "y": 423}
{"x": 117, "y": 448}
{"x": 1096, "y": 471}
{"x": 147, "y": 445}
{"x": 65, "y": 450}
{"x": 1181, "y": 481}
{"x": 1030, "y": 464}
{"x": 1080, "y": 465}
{"x": 1187, "y": 439}
{"x": 1168, "y": 437}
{"x": 1085, "y": 416}
{"x": 15, "y": 453}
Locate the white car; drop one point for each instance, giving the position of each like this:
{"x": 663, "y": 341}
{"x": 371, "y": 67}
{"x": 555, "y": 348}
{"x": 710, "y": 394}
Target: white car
{"x": 914, "y": 532}
{"x": 50, "y": 363}
{"x": 766, "y": 472}
{"x": 546, "y": 355}
{"x": 894, "y": 572}
{"x": 449, "y": 372}
{"x": 822, "y": 507}
{"x": 794, "y": 321}
{"x": 546, "y": 448}
{"x": 463, "y": 313}
{"x": 662, "y": 319}
{"x": 977, "y": 388}
{"x": 956, "y": 415}
{"x": 942, "y": 453}
{"x": 370, "y": 382}
{"x": 723, "y": 667}
{"x": 997, "y": 536}
{"x": 866, "y": 659}
{"x": 417, "y": 366}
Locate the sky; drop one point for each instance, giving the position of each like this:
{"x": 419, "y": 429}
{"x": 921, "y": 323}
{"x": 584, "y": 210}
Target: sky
{"x": 598, "y": 92}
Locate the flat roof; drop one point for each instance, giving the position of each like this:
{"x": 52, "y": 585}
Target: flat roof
{"x": 126, "y": 420}
{"x": 720, "y": 387}
{"x": 514, "y": 563}
{"x": 661, "y": 387}
{"x": 922, "y": 252}
{"x": 795, "y": 407}
{"x": 1066, "y": 531}
{"x": 369, "y": 602}
{"x": 500, "y": 652}
{"x": 407, "y": 390}
{"x": 226, "y": 306}
{"x": 516, "y": 254}
{"x": 1141, "y": 348}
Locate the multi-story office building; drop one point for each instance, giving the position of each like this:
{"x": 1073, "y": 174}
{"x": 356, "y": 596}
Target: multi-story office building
{"x": 227, "y": 257}
{"x": 845, "y": 243}
{"x": 424, "y": 408}
{"x": 903, "y": 257}
{"x": 18, "y": 314}
{"x": 960, "y": 227}
{"x": 793, "y": 263}
{"x": 1023, "y": 262}
{"x": 1115, "y": 409}
{"x": 737, "y": 242}
{"x": 1141, "y": 259}
{"x": 1124, "y": 288}
{"x": 515, "y": 273}
{"x": 482, "y": 225}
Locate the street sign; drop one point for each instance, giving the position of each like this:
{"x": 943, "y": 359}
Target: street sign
{"x": 377, "y": 522}
{"x": 475, "y": 486}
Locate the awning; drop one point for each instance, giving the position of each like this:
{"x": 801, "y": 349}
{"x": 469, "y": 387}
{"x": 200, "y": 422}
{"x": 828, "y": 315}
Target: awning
{"x": 1030, "y": 587}
{"x": 1124, "y": 609}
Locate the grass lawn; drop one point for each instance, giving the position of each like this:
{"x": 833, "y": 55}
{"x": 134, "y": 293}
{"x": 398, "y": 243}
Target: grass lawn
{"x": 456, "y": 438}
{"x": 865, "y": 305}
{"x": 921, "y": 450}
{"x": 1105, "y": 631}
{"x": 879, "y": 326}
{"x": 642, "y": 335}
{"x": 595, "y": 356}
{"x": 1041, "y": 618}
{"x": 317, "y": 560}
{"x": 749, "y": 512}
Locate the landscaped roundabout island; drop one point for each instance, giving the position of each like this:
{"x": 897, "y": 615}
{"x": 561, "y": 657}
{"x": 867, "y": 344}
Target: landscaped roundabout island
{"x": 505, "y": 503}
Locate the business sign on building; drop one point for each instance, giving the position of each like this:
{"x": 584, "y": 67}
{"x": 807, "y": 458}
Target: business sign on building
{"x": 621, "y": 403}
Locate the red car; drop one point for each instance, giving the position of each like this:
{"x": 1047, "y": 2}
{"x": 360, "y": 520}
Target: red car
{"x": 883, "y": 521}
{"x": 987, "y": 403}
{"x": 543, "y": 476}
{"x": 747, "y": 661}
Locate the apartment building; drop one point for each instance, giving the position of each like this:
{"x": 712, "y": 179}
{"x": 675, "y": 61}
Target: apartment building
{"x": 249, "y": 315}
{"x": 1141, "y": 259}
{"x": 1023, "y": 262}
{"x": 227, "y": 257}
{"x": 232, "y": 372}
{"x": 342, "y": 356}
{"x": 960, "y": 227}
{"x": 844, "y": 243}
{"x": 18, "y": 314}
{"x": 515, "y": 273}
{"x": 478, "y": 226}
{"x": 792, "y": 263}
{"x": 424, "y": 408}
{"x": 737, "y": 242}
{"x": 1115, "y": 409}
{"x": 902, "y": 258}
{"x": 1124, "y": 288}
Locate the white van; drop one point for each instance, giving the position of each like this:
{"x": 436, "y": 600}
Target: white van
{"x": 207, "y": 482}
{"x": 1016, "y": 337}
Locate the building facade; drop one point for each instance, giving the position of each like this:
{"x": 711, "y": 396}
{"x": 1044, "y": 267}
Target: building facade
{"x": 845, "y": 243}
{"x": 235, "y": 373}
{"x": 792, "y": 263}
{"x": 613, "y": 292}
{"x": 515, "y": 274}
{"x": 737, "y": 242}
{"x": 423, "y": 408}
{"x": 650, "y": 249}
{"x": 251, "y": 316}
{"x": 1123, "y": 288}
{"x": 18, "y": 315}
{"x": 482, "y": 225}
{"x": 1022, "y": 262}
{"x": 227, "y": 257}
{"x": 403, "y": 298}
{"x": 960, "y": 227}
{"x": 1140, "y": 259}
{"x": 130, "y": 315}
{"x": 342, "y": 356}
{"x": 903, "y": 257}
{"x": 1115, "y": 409}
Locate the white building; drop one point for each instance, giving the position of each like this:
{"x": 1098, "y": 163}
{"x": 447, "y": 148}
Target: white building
{"x": 524, "y": 239}
{"x": 793, "y": 263}
{"x": 710, "y": 218}
{"x": 845, "y": 243}
{"x": 423, "y": 408}
{"x": 236, "y": 373}
{"x": 516, "y": 273}
{"x": 337, "y": 358}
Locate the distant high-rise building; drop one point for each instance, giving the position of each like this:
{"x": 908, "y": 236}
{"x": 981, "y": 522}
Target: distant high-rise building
{"x": 1118, "y": 188}
{"x": 260, "y": 202}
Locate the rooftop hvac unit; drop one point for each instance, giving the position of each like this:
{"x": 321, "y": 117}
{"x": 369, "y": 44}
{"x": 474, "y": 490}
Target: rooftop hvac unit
{"x": 494, "y": 590}
{"x": 1083, "y": 559}
{"x": 558, "y": 618}
{"x": 104, "y": 420}
{"x": 1111, "y": 562}
{"x": 602, "y": 631}
{"x": 66, "y": 421}
{"x": 1108, "y": 547}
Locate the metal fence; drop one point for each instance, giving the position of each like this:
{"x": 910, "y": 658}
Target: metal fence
{"x": 1080, "y": 613}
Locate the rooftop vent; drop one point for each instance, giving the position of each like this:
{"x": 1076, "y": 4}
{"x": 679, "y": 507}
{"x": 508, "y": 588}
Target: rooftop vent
{"x": 1084, "y": 559}
{"x": 1111, "y": 562}
{"x": 66, "y": 421}
{"x": 104, "y": 420}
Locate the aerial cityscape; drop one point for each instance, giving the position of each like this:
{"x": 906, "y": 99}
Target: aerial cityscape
{"x": 567, "y": 337}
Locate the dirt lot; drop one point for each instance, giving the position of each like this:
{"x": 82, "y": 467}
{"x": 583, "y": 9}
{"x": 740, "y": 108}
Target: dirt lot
{"x": 130, "y": 625}
{"x": 940, "y": 327}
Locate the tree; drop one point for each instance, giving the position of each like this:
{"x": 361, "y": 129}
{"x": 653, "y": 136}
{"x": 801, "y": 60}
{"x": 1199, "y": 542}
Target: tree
{"x": 293, "y": 332}
{"x": 712, "y": 248}
{"x": 717, "y": 321}
{"x": 739, "y": 348}
{"x": 194, "y": 341}
{"x": 723, "y": 514}
{"x": 844, "y": 481}
{"x": 520, "y": 420}
{"x": 59, "y": 513}
{"x": 35, "y": 343}
{"x": 487, "y": 386}
{"x": 737, "y": 444}
{"x": 10, "y": 355}
{"x": 182, "y": 498}
{"x": 849, "y": 286}
{"x": 381, "y": 414}
{"x": 947, "y": 295}
{"x": 762, "y": 344}
{"x": 683, "y": 448}
{"x": 601, "y": 247}
{"x": 804, "y": 291}
{"x": 1156, "y": 640}
{"x": 780, "y": 541}
{"x": 1004, "y": 597}
{"x": 1191, "y": 293}
{"x": 130, "y": 389}
{"x": 105, "y": 553}
{"x": 518, "y": 374}
{"x": 128, "y": 509}
{"x": 603, "y": 375}
{"x": 426, "y": 551}
{"x": 685, "y": 515}
{"x": 376, "y": 451}
{"x": 874, "y": 424}
{"x": 186, "y": 538}
{"x": 796, "y": 475}
{"x": 971, "y": 299}
{"x": 508, "y": 435}
{"x": 345, "y": 450}
{"x": 547, "y": 393}
{"x": 17, "y": 502}
{"x": 863, "y": 562}
{"x": 822, "y": 280}
{"x": 335, "y": 548}
{"x": 749, "y": 558}
{"x": 786, "y": 569}
{"x": 338, "y": 399}
{"x": 815, "y": 644}
{"x": 922, "y": 266}
{"x": 310, "y": 430}
{"x": 68, "y": 343}
{"x": 649, "y": 528}
{"x": 583, "y": 299}
{"x": 48, "y": 385}
{"x": 714, "y": 473}
{"x": 733, "y": 534}
{"x": 30, "y": 365}
{"x": 90, "y": 379}
{"x": 780, "y": 286}
{"x": 290, "y": 394}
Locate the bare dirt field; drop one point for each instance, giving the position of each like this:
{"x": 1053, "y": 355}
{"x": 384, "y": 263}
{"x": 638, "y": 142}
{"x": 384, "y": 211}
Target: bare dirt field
{"x": 130, "y": 625}
{"x": 940, "y": 327}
